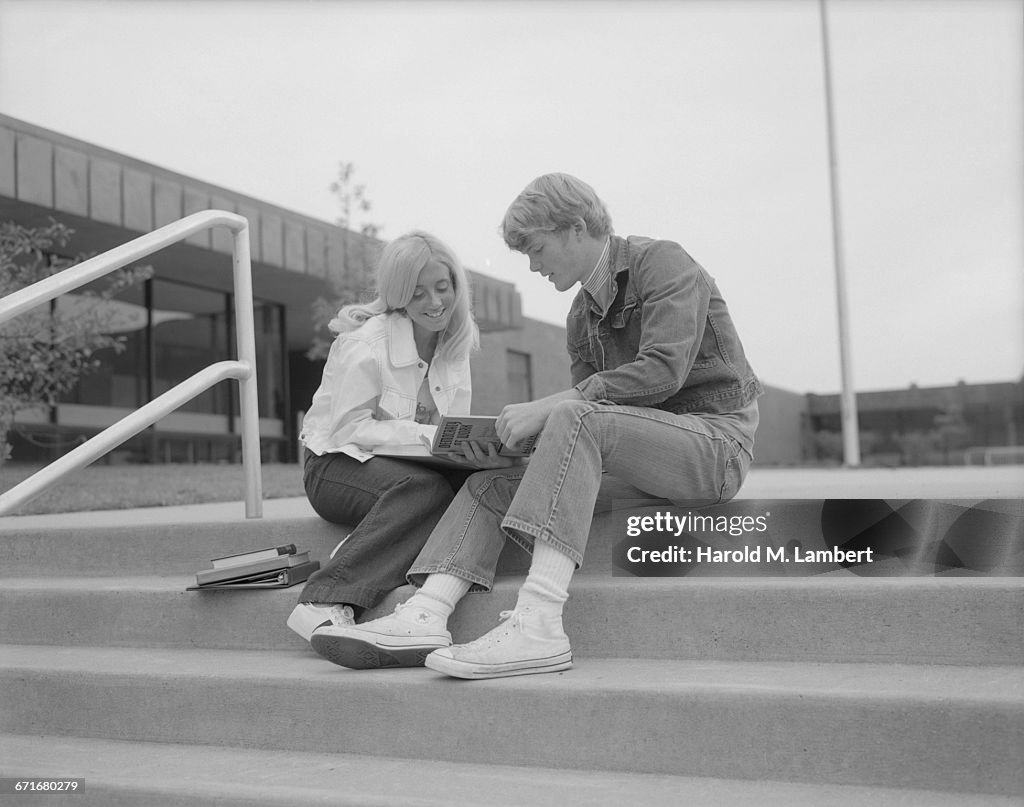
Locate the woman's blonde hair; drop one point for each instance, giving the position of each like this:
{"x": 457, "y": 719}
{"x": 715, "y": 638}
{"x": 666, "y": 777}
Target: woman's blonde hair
{"x": 398, "y": 271}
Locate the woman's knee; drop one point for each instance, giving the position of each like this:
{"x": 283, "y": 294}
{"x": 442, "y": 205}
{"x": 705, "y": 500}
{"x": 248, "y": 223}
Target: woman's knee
{"x": 430, "y": 482}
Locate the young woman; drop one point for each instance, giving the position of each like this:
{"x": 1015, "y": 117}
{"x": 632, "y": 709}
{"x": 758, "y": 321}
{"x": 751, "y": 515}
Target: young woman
{"x": 397, "y": 365}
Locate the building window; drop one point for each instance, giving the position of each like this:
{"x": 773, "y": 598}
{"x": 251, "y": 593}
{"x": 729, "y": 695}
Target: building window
{"x": 119, "y": 379}
{"x": 520, "y": 383}
{"x": 172, "y": 331}
{"x": 190, "y": 332}
{"x": 270, "y": 369}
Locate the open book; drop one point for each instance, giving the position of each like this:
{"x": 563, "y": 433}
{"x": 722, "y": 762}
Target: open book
{"x": 452, "y": 432}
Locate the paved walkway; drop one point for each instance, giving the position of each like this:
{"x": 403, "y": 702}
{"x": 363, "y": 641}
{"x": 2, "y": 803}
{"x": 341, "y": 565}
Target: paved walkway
{"x": 1005, "y": 482}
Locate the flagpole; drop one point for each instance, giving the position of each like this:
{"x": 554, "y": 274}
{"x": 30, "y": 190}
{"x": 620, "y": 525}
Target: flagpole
{"x": 847, "y": 397}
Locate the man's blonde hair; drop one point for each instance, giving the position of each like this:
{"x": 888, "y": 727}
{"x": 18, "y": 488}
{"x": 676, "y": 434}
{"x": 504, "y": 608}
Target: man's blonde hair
{"x": 551, "y": 203}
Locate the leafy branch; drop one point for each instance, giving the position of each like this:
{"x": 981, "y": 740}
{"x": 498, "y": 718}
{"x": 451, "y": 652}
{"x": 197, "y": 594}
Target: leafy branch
{"x": 45, "y": 351}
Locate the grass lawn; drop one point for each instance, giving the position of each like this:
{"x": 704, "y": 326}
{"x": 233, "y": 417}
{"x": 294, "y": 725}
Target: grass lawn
{"x": 114, "y": 487}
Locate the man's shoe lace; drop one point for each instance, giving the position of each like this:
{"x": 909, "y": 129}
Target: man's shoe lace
{"x": 513, "y": 620}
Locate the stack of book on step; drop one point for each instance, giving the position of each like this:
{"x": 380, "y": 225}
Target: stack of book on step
{"x": 275, "y": 567}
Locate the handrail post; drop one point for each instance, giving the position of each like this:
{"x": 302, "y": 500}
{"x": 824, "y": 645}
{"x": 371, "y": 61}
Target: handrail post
{"x": 245, "y": 339}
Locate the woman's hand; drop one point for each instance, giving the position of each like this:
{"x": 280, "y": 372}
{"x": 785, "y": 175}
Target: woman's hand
{"x": 475, "y": 457}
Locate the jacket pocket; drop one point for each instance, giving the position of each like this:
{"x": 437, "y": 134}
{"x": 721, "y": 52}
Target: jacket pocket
{"x": 621, "y": 318}
{"x": 394, "y": 405}
{"x": 708, "y": 354}
{"x": 584, "y": 349}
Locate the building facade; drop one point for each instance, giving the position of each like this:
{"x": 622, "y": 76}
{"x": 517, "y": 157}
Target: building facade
{"x": 180, "y": 320}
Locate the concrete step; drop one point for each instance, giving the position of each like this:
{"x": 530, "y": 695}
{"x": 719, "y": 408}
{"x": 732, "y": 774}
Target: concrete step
{"x": 129, "y": 774}
{"x": 850, "y": 619}
{"x": 171, "y": 548}
{"x": 941, "y": 728}
{"x": 908, "y": 537}
{"x": 156, "y": 548}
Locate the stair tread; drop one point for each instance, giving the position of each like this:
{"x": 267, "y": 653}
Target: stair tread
{"x": 884, "y": 725}
{"x": 910, "y": 620}
{"x": 837, "y": 585}
{"x": 172, "y": 541}
{"x": 991, "y": 684}
{"x": 116, "y": 772}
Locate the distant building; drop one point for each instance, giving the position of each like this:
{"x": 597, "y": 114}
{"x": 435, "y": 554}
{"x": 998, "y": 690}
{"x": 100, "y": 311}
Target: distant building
{"x": 952, "y": 425}
{"x": 180, "y": 321}
{"x": 926, "y": 426}
{"x": 782, "y": 431}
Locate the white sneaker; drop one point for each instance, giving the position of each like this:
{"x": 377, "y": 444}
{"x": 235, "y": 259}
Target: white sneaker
{"x": 402, "y": 639}
{"x": 527, "y": 641}
{"x": 306, "y": 617}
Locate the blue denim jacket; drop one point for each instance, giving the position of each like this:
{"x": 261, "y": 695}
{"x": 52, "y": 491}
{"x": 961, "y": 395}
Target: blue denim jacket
{"x": 667, "y": 341}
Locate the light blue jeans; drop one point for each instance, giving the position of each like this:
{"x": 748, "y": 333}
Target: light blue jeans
{"x": 689, "y": 459}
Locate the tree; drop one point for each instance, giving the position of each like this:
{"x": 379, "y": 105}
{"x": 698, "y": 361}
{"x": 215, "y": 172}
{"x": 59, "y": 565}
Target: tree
{"x": 352, "y": 197}
{"x": 353, "y": 283}
{"x": 45, "y": 351}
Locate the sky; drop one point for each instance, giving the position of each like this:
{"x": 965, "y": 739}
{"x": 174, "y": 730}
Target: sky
{"x": 700, "y": 121}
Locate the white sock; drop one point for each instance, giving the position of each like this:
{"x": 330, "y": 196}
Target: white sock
{"x": 440, "y": 593}
{"x": 547, "y": 583}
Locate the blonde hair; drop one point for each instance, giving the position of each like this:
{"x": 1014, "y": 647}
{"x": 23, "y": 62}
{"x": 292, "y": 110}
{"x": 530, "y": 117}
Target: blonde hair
{"x": 551, "y": 203}
{"x": 398, "y": 271}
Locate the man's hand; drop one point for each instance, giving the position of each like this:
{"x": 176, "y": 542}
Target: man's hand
{"x": 521, "y": 420}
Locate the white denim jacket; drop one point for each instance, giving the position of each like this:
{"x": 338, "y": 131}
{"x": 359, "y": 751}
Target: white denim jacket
{"x": 367, "y": 396}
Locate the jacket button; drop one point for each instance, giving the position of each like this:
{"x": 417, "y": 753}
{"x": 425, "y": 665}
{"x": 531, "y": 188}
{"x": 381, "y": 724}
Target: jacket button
{"x": 422, "y": 365}
{"x": 437, "y": 389}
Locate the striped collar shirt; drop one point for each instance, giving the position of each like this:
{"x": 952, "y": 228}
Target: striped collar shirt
{"x": 599, "y": 284}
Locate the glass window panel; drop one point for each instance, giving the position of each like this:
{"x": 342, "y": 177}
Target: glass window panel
{"x": 269, "y": 321}
{"x": 120, "y": 377}
{"x": 190, "y": 332}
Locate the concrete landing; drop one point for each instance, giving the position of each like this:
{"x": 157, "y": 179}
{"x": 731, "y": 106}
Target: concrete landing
{"x": 122, "y": 774}
{"x": 888, "y": 725}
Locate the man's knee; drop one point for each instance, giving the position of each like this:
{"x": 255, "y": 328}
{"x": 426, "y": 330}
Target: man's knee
{"x": 494, "y": 482}
{"x": 566, "y": 413}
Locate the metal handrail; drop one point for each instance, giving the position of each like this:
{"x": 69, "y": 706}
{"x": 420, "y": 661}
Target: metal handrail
{"x": 244, "y": 369}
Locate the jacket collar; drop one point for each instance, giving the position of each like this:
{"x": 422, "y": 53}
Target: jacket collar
{"x": 401, "y": 344}
{"x": 618, "y": 256}
{"x": 618, "y": 262}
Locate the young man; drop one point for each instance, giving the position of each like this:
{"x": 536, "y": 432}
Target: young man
{"x": 662, "y": 397}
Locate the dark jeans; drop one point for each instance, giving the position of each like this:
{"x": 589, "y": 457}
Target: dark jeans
{"x": 393, "y": 505}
